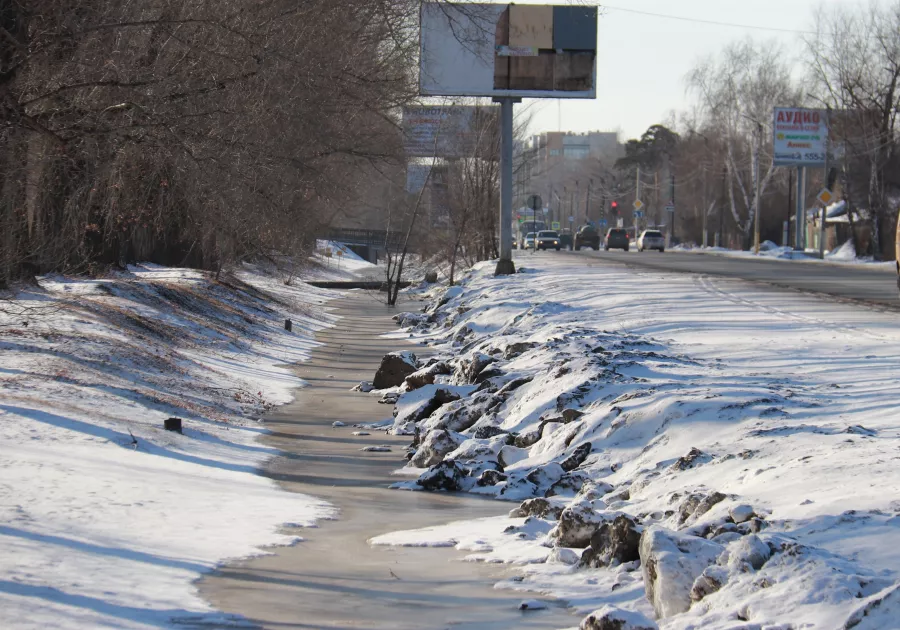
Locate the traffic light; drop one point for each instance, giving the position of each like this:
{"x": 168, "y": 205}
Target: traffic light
{"x": 614, "y": 207}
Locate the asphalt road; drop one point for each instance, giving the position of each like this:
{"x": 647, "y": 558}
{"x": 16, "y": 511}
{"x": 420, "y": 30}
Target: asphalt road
{"x": 876, "y": 285}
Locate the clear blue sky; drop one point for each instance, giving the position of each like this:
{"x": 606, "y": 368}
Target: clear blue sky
{"x": 643, "y": 59}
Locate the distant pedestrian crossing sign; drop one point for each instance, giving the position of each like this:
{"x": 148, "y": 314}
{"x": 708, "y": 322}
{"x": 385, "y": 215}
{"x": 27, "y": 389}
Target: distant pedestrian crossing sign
{"x": 555, "y": 225}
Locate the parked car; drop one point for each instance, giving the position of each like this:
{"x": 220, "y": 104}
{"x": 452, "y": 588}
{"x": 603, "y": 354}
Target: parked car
{"x": 587, "y": 236}
{"x": 651, "y": 239}
{"x": 548, "y": 239}
{"x": 528, "y": 243}
{"x": 565, "y": 239}
{"x": 616, "y": 238}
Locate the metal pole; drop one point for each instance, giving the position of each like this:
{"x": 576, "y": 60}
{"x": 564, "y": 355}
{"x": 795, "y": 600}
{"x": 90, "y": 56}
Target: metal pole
{"x": 790, "y": 207}
{"x": 505, "y": 265}
{"x": 758, "y": 187}
{"x": 637, "y": 195}
{"x": 824, "y": 205}
{"x": 800, "y": 211}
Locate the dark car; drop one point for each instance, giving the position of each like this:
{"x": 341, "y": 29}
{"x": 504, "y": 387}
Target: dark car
{"x": 565, "y": 239}
{"x": 616, "y": 238}
{"x": 587, "y": 236}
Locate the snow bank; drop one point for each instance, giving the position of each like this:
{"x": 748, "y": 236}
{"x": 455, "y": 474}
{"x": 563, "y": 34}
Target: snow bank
{"x": 755, "y": 426}
{"x": 107, "y": 519}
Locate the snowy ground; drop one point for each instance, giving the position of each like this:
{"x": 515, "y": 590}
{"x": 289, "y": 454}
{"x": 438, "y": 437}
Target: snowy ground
{"x": 843, "y": 255}
{"x": 105, "y": 518}
{"x": 749, "y": 436}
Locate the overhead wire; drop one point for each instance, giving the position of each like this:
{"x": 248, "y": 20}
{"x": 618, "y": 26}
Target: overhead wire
{"x": 681, "y": 18}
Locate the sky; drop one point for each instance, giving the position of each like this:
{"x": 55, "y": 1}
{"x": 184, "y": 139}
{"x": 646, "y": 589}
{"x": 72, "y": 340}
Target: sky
{"x": 643, "y": 60}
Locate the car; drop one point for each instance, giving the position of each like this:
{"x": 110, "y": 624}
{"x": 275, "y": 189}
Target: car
{"x": 528, "y": 243}
{"x": 587, "y": 236}
{"x": 548, "y": 239}
{"x": 565, "y": 239}
{"x": 651, "y": 239}
{"x": 616, "y": 238}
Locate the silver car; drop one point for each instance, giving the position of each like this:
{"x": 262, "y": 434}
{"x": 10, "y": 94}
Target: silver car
{"x": 651, "y": 239}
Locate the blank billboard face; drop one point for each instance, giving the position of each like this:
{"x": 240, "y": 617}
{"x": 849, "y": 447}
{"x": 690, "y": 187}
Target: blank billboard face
{"x": 530, "y": 51}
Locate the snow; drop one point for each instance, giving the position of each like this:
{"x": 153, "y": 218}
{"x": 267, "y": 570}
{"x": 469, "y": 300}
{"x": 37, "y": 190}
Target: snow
{"x": 843, "y": 255}
{"x": 701, "y": 397}
{"x": 107, "y": 519}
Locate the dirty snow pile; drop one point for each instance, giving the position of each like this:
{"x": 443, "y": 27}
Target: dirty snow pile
{"x": 106, "y": 519}
{"x": 683, "y": 452}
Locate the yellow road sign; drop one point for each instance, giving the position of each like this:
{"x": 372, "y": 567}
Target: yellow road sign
{"x": 638, "y": 204}
{"x": 825, "y": 196}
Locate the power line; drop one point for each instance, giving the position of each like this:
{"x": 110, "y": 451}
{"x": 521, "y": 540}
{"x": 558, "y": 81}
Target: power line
{"x": 711, "y": 22}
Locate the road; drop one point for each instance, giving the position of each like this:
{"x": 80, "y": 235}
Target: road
{"x": 875, "y": 285}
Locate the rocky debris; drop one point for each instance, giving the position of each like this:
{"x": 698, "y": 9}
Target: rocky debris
{"x": 532, "y": 604}
{"x": 696, "y": 504}
{"x": 571, "y": 415}
{"x": 612, "y": 618}
{"x": 577, "y": 457}
{"x": 671, "y": 562}
{"x": 486, "y": 374}
{"x": 539, "y": 507}
{"x": 361, "y": 433}
{"x": 513, "y": 385}
{"x": 431, "y": 276}
{"x": 376, "y": 449}
{"x": 711, "y": 580}
{"x": 486, "y": 432}
{"x": 741, "y": 513}
{"x": 749, "y": 550}
{"x": 407, "y": 320}
{"x": 427, "y": 375}
{"x": 694, "y": 458}
{"x": 491, "y": 478}
{"x": 446, "y": 475}
{"x": 389, "y": 398}
{"x": 529, "y": 438}
{"x": 460, "y": 337}
{"x": 509, "y": 455}
{"x": 577, "y": 523}
{"x": 877, "y": 612}
{"x": 429, "y": 402}
{"x": 464, "y": 414}
{"x": 434, "y": 447}
{"x": 365, "y": 387}
{"x": 394, "y": 368}
{"x": 593, "y": 490}
{"x": 613, "y": 543}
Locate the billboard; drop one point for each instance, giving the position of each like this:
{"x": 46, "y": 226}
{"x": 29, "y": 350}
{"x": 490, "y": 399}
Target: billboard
{"x": 451, "y": 132}
{"x": 508, "y": 50}
{"x": 416, "y": 177}
{"x": 800, "y": 137}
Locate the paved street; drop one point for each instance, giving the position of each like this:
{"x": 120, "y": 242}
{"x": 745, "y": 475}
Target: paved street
{"x": 874, "y": 285}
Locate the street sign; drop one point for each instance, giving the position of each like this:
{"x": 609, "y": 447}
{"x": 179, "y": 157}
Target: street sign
{"x": 638, "y": 204}
{"x": 535, "y": 202}
{"x": 638, "y": 214}
{"x": 825, "y": 196}
{"x": 571, "y": 219}
{"x": 602, "y": 222}
{"x": 555, "y": 225}
{"x": 546, "y": 210}
{"x": 670, "y": 208}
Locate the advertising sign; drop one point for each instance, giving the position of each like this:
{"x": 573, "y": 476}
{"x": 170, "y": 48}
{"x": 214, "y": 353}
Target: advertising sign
{"x": 450, "y": 132}
{"x": 416, "y": 177}
{"x": 512, "y": 50}
{"x": 800, "y": 136}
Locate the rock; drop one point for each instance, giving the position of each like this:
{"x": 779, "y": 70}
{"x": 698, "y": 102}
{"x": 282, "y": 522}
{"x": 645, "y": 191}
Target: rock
{"x": 532, "y": 604}
{"x": 389, "y": 398}
{"x": 614, "y": 543}
{"x": 696, "y": 504}
{"x": 431, "y": 276}
{"x": 539, "y": 507}
{"x": 741, "y": 513}
{"x": 376, "y": 449}
{"x": 364, "y": 387}
{"x": 515, "y": 349}
{"x": 490, "y": 478}
{"x": 571, "y": 415}
{"x": 337, "y": 424}
{"x": 671, "y": 562}
{"x": 577, "y": 457}
{"x": 577, "y": 523}
{"x": 545, "y": 476}
{"x": 593, "y": 490}
{"x": 562, "y": 555}
{"x": 510, "y": 455}
{"x": 434, "y": 447}
{"x": 708, "y": 582}
{"x": 528, "y": 439}
{"x": 694, "y": 458}
{"x": 486, "y": 374}
{"x": 513, "y": 385}
{"x": 444, "y": 476}
{"x": 612, "y": 618}
{"x": 419, "y": 405}
{"x": 473, "y": 366}
{"x": 394, "y": 369}
{"x": 750, "y": 550}
{"x": 569, "y": 485}
{"x": 486, "y": 432}
{"x": 427, "y": 375}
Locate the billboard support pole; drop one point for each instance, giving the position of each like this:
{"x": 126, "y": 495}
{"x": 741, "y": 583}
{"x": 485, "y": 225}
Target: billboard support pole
{"x": 505, "y": 264}
{"x": 800, "y": 218}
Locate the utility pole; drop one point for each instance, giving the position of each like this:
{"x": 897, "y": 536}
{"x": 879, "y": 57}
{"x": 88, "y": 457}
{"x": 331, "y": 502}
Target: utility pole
{"x": 721, "y": 235}
{"x": 637, "y": 195}
{"x": 799, "y": 218}
{"x": 587, "y": 200}
{"x": 758, "y": 188}
{"x": 824, "y": 205}
{"x": 790, "y": 208}
{"x": 672, "y": 203}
